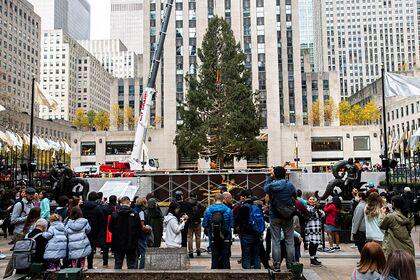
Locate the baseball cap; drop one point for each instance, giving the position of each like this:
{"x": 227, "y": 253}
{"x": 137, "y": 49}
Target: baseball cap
{"x": 30, "y": 191}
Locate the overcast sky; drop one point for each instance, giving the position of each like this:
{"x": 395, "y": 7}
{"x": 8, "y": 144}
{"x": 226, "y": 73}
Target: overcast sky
{"x": 99, "y": 10}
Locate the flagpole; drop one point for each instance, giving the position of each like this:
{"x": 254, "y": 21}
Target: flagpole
{"x": 31, "y": 136}
{"x": 386, "y": 159}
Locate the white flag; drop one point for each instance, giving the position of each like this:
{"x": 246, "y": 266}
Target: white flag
{"x": 398, "y": 85}
{"x": 41, "y": 99}
{"x": 2, "y": 108}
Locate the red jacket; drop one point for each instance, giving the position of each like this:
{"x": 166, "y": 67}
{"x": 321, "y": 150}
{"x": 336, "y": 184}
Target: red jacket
{"x": 331, "y": 212}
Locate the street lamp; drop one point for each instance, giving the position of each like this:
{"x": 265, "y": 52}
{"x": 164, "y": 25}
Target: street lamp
{"x": 297, "y": 159}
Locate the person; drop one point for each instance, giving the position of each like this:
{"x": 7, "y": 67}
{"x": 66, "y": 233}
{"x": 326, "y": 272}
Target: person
{"x": 194, "y": 224}
{"x": 62, "y": 209}
{"x": 250, "y": 239}
{"x": 300, "y": 198}
{"x": 299, "y": 222}
{"x": 93, "y": 213}
{"x": 79, "y": 247}
{"x": 228, "y": 200}
{"x": 125, "y": 226}
{"x": 409, "y": 197}
{"x": 36, "y": 201}
{"x": 373, "y": 217}
{"x": 33, "y": 216}
{"x": 397, "y": 227}
{"x": 372, "y": 263}
{"x": 56, "y": 248}
{"x": 173, "y": 227}
{"x": 154, "y": 218}
{"x": 44, "y": 205}
{"x": 218, "y": 222}
{"x": 354, "y": 201}
{"x": 140, "y": 208}
{"x": 358, "y": 226}
{"x": 400, "y": 265}
{"x": 331, "y": 212}
{"x": 281, "y": 193}
{"x": 184, "y": 210}
{"x": 108, "y": 210}
{"x": 313, "y": 230}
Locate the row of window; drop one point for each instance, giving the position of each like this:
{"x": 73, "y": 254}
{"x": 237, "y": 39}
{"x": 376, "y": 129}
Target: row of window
{"x": 326, "y": 144}
{"x": 111, "y": 148}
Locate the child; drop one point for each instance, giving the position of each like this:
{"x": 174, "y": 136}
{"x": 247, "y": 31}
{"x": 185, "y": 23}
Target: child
{"x": 56, "y": 248}
{"x": 77, "y": 229}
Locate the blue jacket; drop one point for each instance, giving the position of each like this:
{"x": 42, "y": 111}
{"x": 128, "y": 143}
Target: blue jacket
{"x": 56, "y": 248}
{"x": 284, "y": 192}
{"x": 79, "y": 245}
{"x": 227, "y": 215}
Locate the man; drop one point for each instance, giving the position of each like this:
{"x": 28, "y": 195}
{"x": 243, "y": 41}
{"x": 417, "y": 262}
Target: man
{"x": 218, "y": 222}
{"x": 227, "y": 200}
{"x": 94, "y": 214}
{"x": 125, "y": 227}
{"x": 281, "y": 193}
{"x": 194, "y": 224}
{"x": 250, "y": 239}
{"x": 41, "y": 242}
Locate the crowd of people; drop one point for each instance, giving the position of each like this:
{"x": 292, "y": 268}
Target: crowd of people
{"x": 76, "y": 230}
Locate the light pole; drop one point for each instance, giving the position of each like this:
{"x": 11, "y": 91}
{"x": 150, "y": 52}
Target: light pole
{"x": 31, "y": 133}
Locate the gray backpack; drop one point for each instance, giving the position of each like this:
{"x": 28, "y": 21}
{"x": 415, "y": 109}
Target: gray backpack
{"x": 24, "y": 252}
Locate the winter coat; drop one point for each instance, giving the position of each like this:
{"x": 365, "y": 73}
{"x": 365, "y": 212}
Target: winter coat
{"x": 313, "y": 228}
{"x": 93, "y": 213}
{"x": 125, "y": 227}
{"x": 78, "y": 242}
{"x": 397, "y": 229}
{"x": 154, "y": 218}
{"x": 107, "y": 212}
{"x": 40, "y": 245}
{"x": 358, "y": 221}
{"x": 173, "y": 231}
{"x": 331, "y": 212}
{"x": 282, "y": 191}
{"x": 57, "y": 242}
{"x": 228, "y": 219}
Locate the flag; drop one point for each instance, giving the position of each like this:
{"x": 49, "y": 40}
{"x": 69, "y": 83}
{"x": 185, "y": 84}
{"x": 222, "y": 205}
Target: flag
{"x": 41, "y": 99}
{"x": 2, "y": 108}
{"x": 398, "y": 85}
{"x": 415, "y": 139}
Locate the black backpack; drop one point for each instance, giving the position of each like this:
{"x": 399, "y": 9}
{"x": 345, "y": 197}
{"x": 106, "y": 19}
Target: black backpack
{"x": 285, "y": 211}
{"x": 218, "y": 230}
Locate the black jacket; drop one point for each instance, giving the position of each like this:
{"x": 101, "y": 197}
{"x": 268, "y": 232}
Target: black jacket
{"x": 242, "y": 221}
{"x": 41, "y": 243}
{"x": 93, "y": 213}
{"x": 125, "y": 227}
{"x": 196, "y": 212}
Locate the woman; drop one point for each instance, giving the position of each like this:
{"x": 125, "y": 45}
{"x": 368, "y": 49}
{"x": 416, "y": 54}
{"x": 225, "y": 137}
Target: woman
{"x": 45, "y": 205}
{"x": 109, "y": 209}
{"x": 373, "y": 217}
{"x": 331, "y": 211}
{"x": 154, "y": 218}
{"x": 313, "y": 230}
{"x": 358, "y": 227}
{"x": 173, "y": 227}
{"x": 33, "y": 216}
{"x": 400, "y": 265}
{"x": 397, "y": 227}
{"x": 140, "y": 208}
{"x": 372, "y": 263}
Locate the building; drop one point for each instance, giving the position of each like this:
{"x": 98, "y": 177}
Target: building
{"x": 127, "y": 23}
{"x": 72, "y": 16}
{"x": 115, "y": 57}
{"x": 72, "y": 76}
{"x": 20, "y": 30}
{"x": 306, "y": 28}
{"x": 358, "y": 37}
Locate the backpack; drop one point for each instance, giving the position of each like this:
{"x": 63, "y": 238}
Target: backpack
{"x": 218, "y": 230}
{"x": 285, "y": 212}
{"x": 21, "y": 211}
{"x": 24, "y": 252}
{"x": 256, "y": 219}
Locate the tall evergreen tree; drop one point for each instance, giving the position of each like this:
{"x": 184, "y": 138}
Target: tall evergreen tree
{"x": 220, "y": 116}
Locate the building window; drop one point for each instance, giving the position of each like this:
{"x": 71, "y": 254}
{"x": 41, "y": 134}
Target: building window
{"x": 119, "y": 148}
{"x": 361, "y": 143}
{"x": 324, "y": 144}
{"x": 88, "y": 148}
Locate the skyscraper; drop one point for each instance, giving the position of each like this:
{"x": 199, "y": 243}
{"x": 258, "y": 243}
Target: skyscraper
{"x": 363, "y": 35}
{"x": 127, "y": 23}
{"x": 306, "y": 27}
{"x": 72, "y": 16}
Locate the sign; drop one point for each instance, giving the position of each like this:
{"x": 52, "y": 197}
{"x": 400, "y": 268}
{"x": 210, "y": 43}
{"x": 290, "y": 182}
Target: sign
{"x": 119, "y": 189}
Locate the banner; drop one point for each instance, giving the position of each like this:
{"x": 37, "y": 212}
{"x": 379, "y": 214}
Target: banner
{"x": 41, "y": 99}
{"x": 398, "y": 85}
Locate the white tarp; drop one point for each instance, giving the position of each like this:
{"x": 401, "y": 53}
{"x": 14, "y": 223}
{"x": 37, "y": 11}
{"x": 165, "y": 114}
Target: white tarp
{"x": 415, "y": 139}
{"x": 119, "y": 189}
{"x": 398, "y": 85}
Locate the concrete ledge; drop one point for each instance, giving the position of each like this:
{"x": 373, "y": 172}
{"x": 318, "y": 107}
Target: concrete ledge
{"x": 158, "y": 259}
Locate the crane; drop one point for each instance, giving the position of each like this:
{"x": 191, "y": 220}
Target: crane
{"x": 139, "y": 156}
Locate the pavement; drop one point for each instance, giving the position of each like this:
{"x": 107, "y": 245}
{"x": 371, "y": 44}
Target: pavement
{"x": 335, "y": 265}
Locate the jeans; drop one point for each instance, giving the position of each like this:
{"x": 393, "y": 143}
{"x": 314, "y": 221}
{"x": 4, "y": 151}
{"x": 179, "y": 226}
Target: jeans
{"x": 250, "y": 247}
{"x": 141, "y": 252}
{"x": 131, "y": 259}
{"x": 360, "y": 240}
{"x": 194, "y": 230}
{"x": 220, "y": 256}
{"x": 276, "y": 226}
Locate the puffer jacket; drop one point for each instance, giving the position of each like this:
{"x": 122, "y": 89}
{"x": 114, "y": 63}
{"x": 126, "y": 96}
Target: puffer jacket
{"x": 397, "y": 229}
{"x": 79, "y": 245}
{"x": 57, "y": 241}
{"x": 173, "y": 231}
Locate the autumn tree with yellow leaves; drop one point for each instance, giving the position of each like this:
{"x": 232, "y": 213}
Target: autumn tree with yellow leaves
{"x": 102, "y": 121}
{"x": 315, "y": 113}
{"x": 130, "y": 118}
{"x": 80, "y": 119}
{"x": 117, "y": 116}
{"x": 356, "y": 115}
{"x": 330, "y": 111}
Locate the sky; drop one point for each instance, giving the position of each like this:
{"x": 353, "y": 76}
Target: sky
{"x": 99, "y": 26}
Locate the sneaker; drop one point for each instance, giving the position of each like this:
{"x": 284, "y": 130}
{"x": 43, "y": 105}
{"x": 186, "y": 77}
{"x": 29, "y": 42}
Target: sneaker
{"x": 337, "y": 248}
{"x": 2, "y": 256}
{"x": 330, "y": 250}
{"x": 191, "y": 255}
{"x": 315, "y": 262}
{"x": 198, "y": 253}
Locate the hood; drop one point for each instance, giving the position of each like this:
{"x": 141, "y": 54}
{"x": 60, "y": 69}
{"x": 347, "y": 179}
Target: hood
{"x": 89, "y": 205}
{"x": 278, "y": 185}
{"x": 58, "y": 225}
{"x": 401, "y": 219}
{"x": 77, "y": 225}
{"x": 168, "y": 218}
{"x": 125, "y": 211}
{"x": 151, "y": 203}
